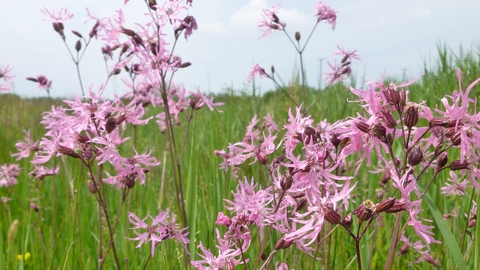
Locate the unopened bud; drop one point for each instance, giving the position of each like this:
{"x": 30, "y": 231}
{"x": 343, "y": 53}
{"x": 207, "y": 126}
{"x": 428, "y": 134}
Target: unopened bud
{"x": 437, "y": 122}
{"x": 185, "y": 64}
{"x": 286, "y": 182}
{"x": 457, "y": 138}
{"x": 34, "y": 207}
{"x": 91, "y": 186}
{"x": 385, "y": 205}
{"x": 458, "y": 165}
{"x": 272, "y": 68}
{"x": 363, "y": 213}
{"x": 130, "y": 180}
{"x": 67, "y": 151}
{"x": 77, "y": 34}
{"x": 116, "y": 71}
{"x": 297, "y": 36}
{"x": 347, "y": 222}
{"x": 128, "y": 32}
{"x": 333, "y": 217}
{"x": 78, "y": 45}
{"x": 471, "y": 222}
{"x": 396, "y": 207}
{"x": 300, "y": 204}
{"x": 110, "y": 125}
{"x": 387, "y": 175}
{"x": 442, "y": 160}
{"x": 404, "y": 249}
{"x": 415, "y": 157}
{"x": 275, "y": 18}
{"x": 152, "y": 4}
{"x": 411, "y": 117}
{"x": 379, "y": 131}
{"x": 389, "y": 120}
{"x": 93, "y": 32}
{"x": 362, "y": 126}
{"x": 335, "y": 140}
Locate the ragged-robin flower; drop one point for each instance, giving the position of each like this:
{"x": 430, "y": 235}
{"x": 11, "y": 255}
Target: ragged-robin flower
{"x": 270, "y": 21}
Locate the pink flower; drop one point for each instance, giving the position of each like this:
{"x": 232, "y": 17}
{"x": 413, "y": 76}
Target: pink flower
{"x": 9, "y": 174}
{"x": 24, "y": 148}
{"x": 257, "y": 70}
{"x": 57, "y": 17}
{"x": 160, "y": 230}
{"x": 243, "y": 151}
{"x": 43, "y": 82}
{"x": 41, "y": 172}
{"x": 456, "y": 188}
{"x": 325, "y": 13}
{"x": 271, "y": 21}
{"x": 7, "y": 77}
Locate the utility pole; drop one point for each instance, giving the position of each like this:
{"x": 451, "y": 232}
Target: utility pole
{"x": 320, "y": 77}
{"x": 404, "y": 73}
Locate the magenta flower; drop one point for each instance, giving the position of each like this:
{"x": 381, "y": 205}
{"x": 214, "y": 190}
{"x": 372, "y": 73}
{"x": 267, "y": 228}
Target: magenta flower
{"x": 7, "y": 77}
{"x": 41, "y": 172}
{"x": 57, "y": 17}
{"x": 43, "y": 82}
{"x": 456, "y": 187}
{"x": 257, "y": 70}
{"x": 9, "y": 174}
{"x": 325, "y": 13}
{"x": 160, "y": 230}
{"x": 24, "y": 148}
{"x": 271, "y": 22}
{"x": 243, "y": 151}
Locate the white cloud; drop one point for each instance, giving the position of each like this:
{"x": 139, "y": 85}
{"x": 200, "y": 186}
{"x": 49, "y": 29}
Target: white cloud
{"x": 419, "y": 12}
{"x": 213, "y": 27}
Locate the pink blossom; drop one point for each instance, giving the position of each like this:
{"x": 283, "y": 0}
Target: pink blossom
{"x": 9, "y": 174}
{"x": 456, "y": 187}
{"x": 161, "y": 229}
{"x": 271, "y": 21}
{"x": 57, "y": 17}
{"x": 41, "y": 172}
{"x": 24, "y": 148}
{"x": 325, "y": 13}
{"x": 257, "y": 70}
{"x": 43, "y": 82}
{"x": 7, "y": 77}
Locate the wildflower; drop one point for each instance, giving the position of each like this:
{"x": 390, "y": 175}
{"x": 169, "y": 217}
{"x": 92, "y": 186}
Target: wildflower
{"x": 271, "y": 21}
{"x": 456, "y": 188}
{"x": 43, "y": 82}
{"x": 7, "y": 77}
{"x": 41, "y": 172}
{"x": 24, "y": 148}
{"x": 242, "y": 151}
{"x": 23, "y": 257}
{"x": 57, "y": 17}
{"x": 160, "y": 230}
{"x": 257, "y": 70}
{"x": 325, "y": 13}
{"x": 9, "y": 174}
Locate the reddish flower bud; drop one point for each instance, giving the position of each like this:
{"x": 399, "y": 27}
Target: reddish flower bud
{"x": 362, "y": 126}
{"x": 272, "y": 69}
{"x": 92, "y": 187}
{"x": 389, "y": 120}
{"x": 437, "y": 122}
{"x": 411, "y": 117}
{"x": 34, "y": 207}
{"x": 472, "y": 222}
{"x": 396, "y": 207}
{"x": 335, "y": 140}
{"x": 387, "y": 175}
{"x": 78, "y": 45}
{"x": 110, "y": 125}
{"x": 404, "y": 249}
{"x": 457, "y": 165}
{"x": 457, "y": 138}
{"x": 415, "y": 157}
{"x": 128, "y": 32}
{"x": 385, "y": 205}
{"x": 185, "y": 64}
{"x": 379, "y": 131}
{"x": 333, "y": 217}
{"x": 297, "y": 36}
{"x": 442, "y": 160}
{"x": 286, "y": 182}
{"x": 363, "y": 211}
{"x": 347, "y": 222}
{"x": 77, "y": 34}
{"x": 300, "y": 204}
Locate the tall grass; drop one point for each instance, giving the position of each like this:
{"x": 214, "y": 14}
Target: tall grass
{"x": 64, "y": 232}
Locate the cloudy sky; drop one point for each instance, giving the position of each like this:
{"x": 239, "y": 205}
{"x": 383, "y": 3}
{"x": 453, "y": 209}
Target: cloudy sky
{"x": 396, "y": 36}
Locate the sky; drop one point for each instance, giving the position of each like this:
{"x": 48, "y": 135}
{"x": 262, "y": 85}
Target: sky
{"x": 395, "y": 37}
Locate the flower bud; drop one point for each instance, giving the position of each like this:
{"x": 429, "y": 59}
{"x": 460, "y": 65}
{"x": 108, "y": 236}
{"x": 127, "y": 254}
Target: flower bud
{"x": 392, "y": 95}
{"x": 333, "y": 217}
{"x": 152, "y": 4}
{"x": 411, "y": 117}
{"x": 437, "y": 122}
{"x": 347, "y": 222}
{"x": 91, "y": 186}
{"x": 275, "y": 18}
{"x": 297, "y": 36}
{"x": 389, "y": 120}
{"x": 379, "y": 131}
{"x": 78, "y": 45}
{"x": 130, "y": 180}
{"x": 456, "y": 138}
{"x": 67, "y": 151}
{"x": 93, "y": 32}
{"x": 442, "y": 160}
{"x": 385, "y": 205}
{"x": 396, "y": 207}
{"x": 286, "y": 182}
{"x": 457, "y": 165}
{"x": 335, "y": 140}
{"x": 300, "y": 204}
{"x": 128, "y": 32}
{"x": 185, "y": 64}
{"x": 471, "y": 222}
{"x": 272, "y": 69}
{"x": 77, "y": 34}
{"x": 387, "y": 175}
{"x": 404, "y": 249}
{"x": 34, "y": 207}
{"x": 363, "y": 211}
{"x": 415, "y": 157}
{"x": 362, "y": 126}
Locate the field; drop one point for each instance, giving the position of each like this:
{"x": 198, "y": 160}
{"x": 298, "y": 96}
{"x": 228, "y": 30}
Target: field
{"x": 63, "y": 231}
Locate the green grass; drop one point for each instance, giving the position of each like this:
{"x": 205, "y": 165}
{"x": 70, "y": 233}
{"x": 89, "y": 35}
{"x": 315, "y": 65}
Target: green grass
{"x": 64, "y": 234}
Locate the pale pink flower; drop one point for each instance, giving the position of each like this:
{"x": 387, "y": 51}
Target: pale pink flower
{"x": 57, "y": 17}
{"x": 325, "y": 13}
{"x": 257, "y": 70}
{"x": 25, "y": 147}
{"x": 9, "y": 174}
{"x": 456, "y": 187}
{"x": 270, "y": 21}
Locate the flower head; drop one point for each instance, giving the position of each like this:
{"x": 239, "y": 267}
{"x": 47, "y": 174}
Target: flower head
{"x": 325, "y": 13}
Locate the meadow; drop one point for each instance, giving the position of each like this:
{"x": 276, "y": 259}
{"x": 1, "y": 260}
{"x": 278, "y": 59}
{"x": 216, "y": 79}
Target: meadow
{"x": 81, "y": 218}
{"x": 61, "y": 233}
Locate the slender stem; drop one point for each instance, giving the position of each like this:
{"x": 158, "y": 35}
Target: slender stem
{"x": 393, "y": 243}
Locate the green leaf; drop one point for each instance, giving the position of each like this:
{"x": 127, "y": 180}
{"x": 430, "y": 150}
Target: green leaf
{"x": 447, "y": 235}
